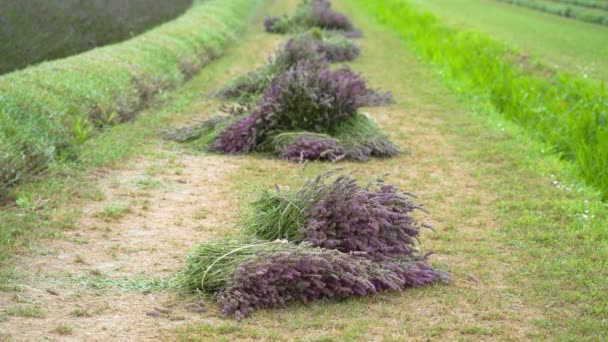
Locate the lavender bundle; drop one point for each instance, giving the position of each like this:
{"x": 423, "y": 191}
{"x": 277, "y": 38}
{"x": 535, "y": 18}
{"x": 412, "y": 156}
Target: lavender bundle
{"x": 309, "y": 14}
{"x": 315, "y": 46}
{"x": 307, "y": 275}
{"x": 247, "y": 274}
{"x": 308, "y": 147}
{"x": 333, "y": 211}
{"x": 308, "y": 97}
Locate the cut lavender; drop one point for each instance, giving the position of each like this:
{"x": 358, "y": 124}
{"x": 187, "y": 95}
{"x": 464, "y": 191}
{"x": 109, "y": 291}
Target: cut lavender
{"x": 248, "y": 274}
{"x": 309, "y": 14}
{"x": 376, "y": 220}
{"x": 321, "y": 15}
{"x": 315, "y": 46}
{"x": 308, "y": 148}
{"x": 334, "y": 212}
{"x": 309, "y": 97}
{"x": 306, "y": 97}
{"x": 306, "y": 275}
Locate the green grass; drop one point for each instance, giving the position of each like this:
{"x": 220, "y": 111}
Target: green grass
{"x": 73, "y": 26}
{"x": 566, "y": 44}
{"x": 30, "y": 311}
{"x": 566, "y": 112}
{"x": 114, "y": 211}
{"x": 49, "y": 111}
{"x": 63, "y": 329}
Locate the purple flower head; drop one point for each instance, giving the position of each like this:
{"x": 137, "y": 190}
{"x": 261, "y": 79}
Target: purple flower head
{"x": 240, "y": 137}
{"x": 374, "y": 220}
{"x": 308, "y": 148}
{"x": 308, "y": 275}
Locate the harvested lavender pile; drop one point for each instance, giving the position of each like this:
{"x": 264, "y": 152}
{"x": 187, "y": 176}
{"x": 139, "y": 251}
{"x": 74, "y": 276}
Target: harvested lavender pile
{"x": 315, "y": 46}
{"x": 332, "y": 211}
{"x": 329, "y": 239}
{"x": 308, "y": 274}
{"x": 309, "y": 112}
{"x": 248, "y": 274}
{"x": 309, "y": 14}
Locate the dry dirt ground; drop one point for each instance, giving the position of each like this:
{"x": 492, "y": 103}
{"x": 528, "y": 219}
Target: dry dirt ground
{"x": 148, "y": 218}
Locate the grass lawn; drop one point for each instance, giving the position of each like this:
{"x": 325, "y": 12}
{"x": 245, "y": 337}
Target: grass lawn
{"x": 512, "y": 223}
{"x": 560, "y": 42}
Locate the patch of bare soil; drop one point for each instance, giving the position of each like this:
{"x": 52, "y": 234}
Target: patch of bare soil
{"x": 98, "y": 280}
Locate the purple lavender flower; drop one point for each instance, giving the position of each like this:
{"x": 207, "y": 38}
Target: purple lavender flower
{"x": 240, "y": 137}
{"x": 310, "y": 275}
{"x": 373, "y": 220}
{"x": 312, "y": 149}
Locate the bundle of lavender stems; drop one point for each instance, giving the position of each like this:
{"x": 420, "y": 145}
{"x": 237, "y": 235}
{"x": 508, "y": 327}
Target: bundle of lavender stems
{"x": 331, "y": 238}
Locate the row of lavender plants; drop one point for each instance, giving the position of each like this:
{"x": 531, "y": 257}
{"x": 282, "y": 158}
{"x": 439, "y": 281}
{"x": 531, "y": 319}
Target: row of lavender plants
{"x": 296, "y": 106}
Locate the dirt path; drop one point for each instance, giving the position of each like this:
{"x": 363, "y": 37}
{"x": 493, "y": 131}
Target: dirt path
{"x": 150, "y": 216}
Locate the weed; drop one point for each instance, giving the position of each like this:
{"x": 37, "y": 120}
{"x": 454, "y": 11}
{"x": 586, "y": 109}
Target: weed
{"x": 80, "y": 313}
{"x": 113, "y": 211}
{"x": 201, "y": 214}
{"x": 79, "y": 260}
{"x": 63, "y": 329}
{"x": 30, "y": 311}
{"x": 148, "y": 183}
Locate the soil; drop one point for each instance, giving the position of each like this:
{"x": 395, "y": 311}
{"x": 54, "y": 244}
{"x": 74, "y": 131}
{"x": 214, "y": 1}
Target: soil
{"x": 150, "y": 242}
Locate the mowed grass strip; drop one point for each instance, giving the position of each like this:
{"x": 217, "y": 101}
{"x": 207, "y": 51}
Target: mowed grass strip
{"x": 511, "y": 223}
{"x": 48, "y": 111}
